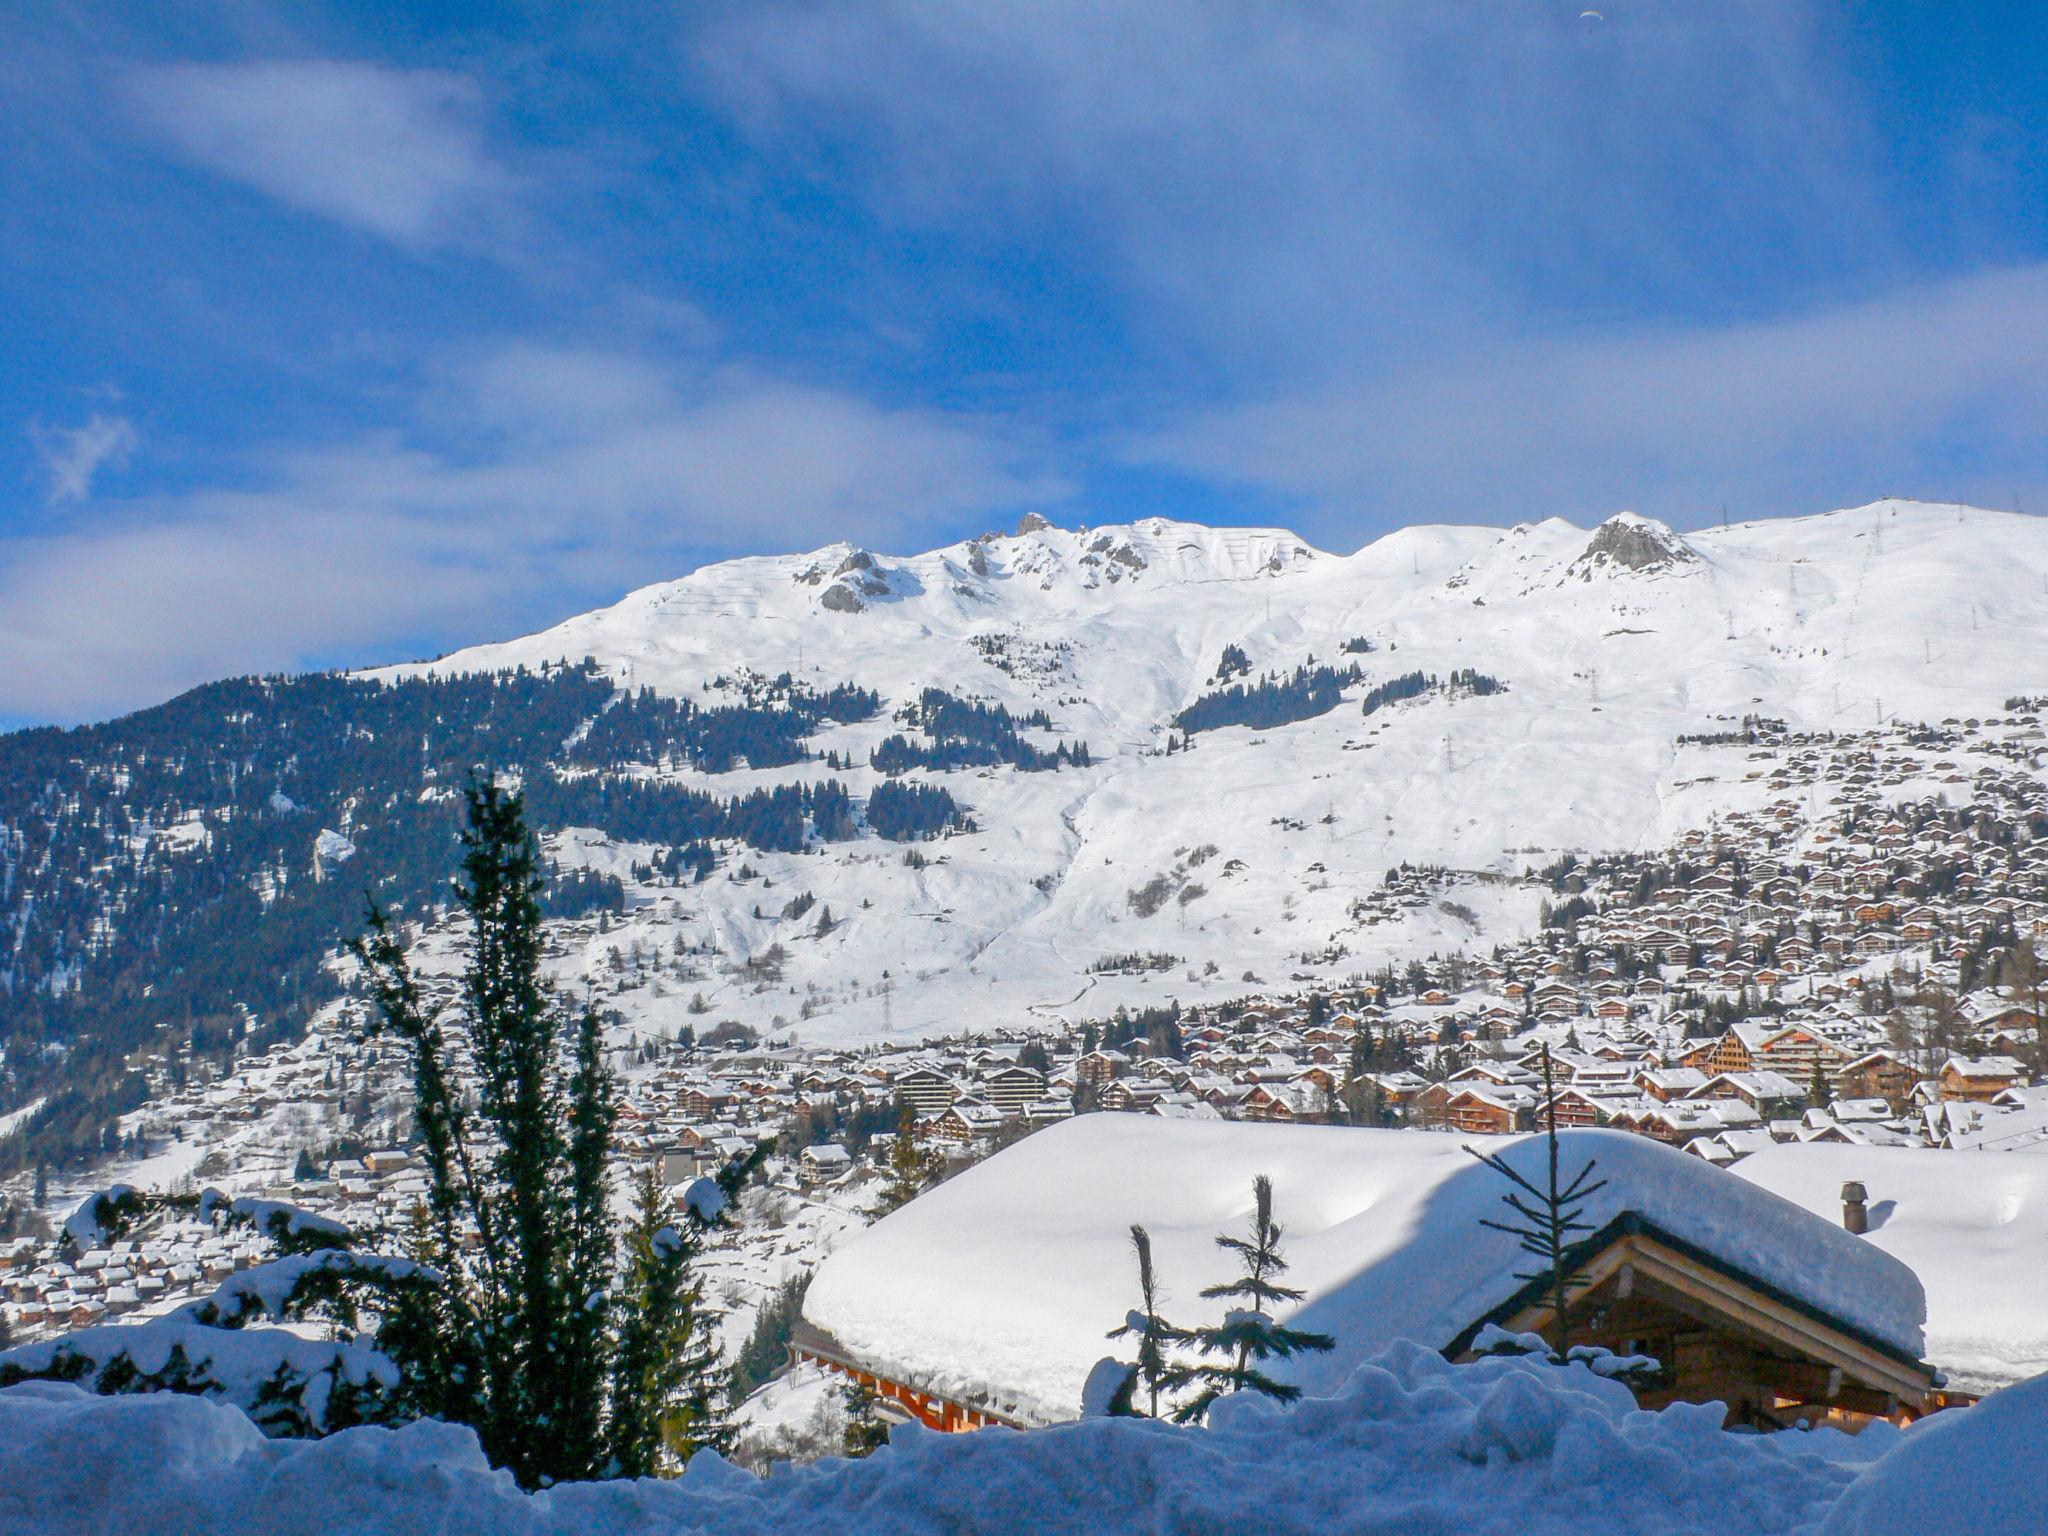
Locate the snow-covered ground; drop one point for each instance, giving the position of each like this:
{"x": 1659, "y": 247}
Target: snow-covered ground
{"x": 1408, "y": 1444}
{"x": 1896, "y": 610}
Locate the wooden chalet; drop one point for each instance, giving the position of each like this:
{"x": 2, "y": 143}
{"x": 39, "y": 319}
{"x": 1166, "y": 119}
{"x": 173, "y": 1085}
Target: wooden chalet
{"x": 1781, "y": 1315}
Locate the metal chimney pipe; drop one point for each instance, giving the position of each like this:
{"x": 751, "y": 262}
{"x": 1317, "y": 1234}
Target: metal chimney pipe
{"x": 1855, "y": 1208}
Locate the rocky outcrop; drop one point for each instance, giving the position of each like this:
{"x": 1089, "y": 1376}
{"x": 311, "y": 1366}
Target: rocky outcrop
{"x": 1630, "y": 543}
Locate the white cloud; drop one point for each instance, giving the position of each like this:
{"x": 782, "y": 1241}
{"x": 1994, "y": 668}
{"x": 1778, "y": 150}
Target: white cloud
{"x": 1897, "y": 395}
{"x": 1291, "y": 189}
{"x": 399, "y": 153}
{"x": 72, "y": 457}
{"x": 539, "y": 483}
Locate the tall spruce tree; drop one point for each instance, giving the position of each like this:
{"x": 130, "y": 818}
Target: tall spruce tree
{"x": 1549, "y": 1217}
{"x": 1155, "y": 1335}
{"x": 520, "y": 1340}
{"x": 1248, "y": 1336}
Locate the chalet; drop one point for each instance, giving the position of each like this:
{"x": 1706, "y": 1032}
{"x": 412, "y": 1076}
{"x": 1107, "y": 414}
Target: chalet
{"x": 1765, "y": 1092}
{"x": 1484, "y": 1109}
{"x": 1979, "y": 1079}
{"x": 969, "y": 1120}
{"x": 827, "y": 1160}
{"x": 966, "y": 1307}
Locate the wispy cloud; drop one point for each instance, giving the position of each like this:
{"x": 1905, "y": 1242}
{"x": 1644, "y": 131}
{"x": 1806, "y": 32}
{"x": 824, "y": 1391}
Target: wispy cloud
{"x": 72, "y": 457}
{"x": 398, "y": 153}
{"x": 533, "y": 484}
{"x": 1314, "y": 188}
{"x": 1933, "y": 390}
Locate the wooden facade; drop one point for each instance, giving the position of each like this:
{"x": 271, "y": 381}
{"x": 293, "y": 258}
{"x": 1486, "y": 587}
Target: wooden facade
{"x": 930, "y": 1409}
{"x": 1722, "y": 1336}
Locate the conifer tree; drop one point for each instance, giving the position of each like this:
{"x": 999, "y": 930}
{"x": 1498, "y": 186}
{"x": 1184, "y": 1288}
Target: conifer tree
{"x": 909, "y": 1168}
{"x": 865, "y": 1430}
{"x": 1549, "y": 1217}
{"x": 519, "y": 1339}
{"x": 1248, "y": 1336}
{"x": 654, "y": 1321}
{"x": 1155, "y": 1335}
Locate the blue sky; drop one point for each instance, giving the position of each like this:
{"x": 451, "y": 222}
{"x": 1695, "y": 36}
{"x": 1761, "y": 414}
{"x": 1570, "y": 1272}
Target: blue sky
{"x": 336, "y": 334}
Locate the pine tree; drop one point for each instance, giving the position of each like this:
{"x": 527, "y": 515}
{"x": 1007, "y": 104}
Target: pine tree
{"x": 304, "y": 1171}
{"x": 1247, "y": 1338}
{"x": 1818, "y": 1094}
{"x": 1155, "y": 1335}
{"x": 517, "y": 1340}
{"x": 909, "y": 1168}
{"x": 1550, "y": 1221}
{"x": 658, "y": 1369}
{"x": 866, "y": 1432}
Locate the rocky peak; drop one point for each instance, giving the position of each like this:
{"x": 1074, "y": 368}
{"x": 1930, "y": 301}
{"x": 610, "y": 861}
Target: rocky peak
{"x": 1631, "y": 543}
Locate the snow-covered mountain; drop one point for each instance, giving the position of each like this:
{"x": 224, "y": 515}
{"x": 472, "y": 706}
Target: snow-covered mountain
{"x": 1611, "y": 644}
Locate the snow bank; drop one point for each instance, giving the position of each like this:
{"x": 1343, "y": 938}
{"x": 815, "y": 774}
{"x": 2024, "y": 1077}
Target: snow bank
{"x": 1410, "y": 1444}
{"x": 997, "y": 1287}
{"x": 1983, "y": 1470}
{"x": 1972, "y": 1225}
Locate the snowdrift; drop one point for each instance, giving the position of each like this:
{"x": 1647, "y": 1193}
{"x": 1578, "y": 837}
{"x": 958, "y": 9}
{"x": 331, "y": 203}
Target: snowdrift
{"x": 1411, "y": 1443}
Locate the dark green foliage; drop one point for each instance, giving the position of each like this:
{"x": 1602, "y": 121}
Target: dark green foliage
{"x": 767, "y": 1346}
{"x": 1270, "y": 701}
{"x": 1234, "y": 663}
{"x": 664, "y": 1367}
{"x": 767, "y": 731}
{"x": 520, "y": 1341}
{"x": 865, "y": 1430}
{"x": 1155, "y": 1335}
{"x": 582, "y": 893}
{"x": 962, "y": 734}
{"x": 1248, "y": 1335}
{"x": 1409, "y": 685}
{"x": 221, "y": 932}
{"x": 912, "y": 812}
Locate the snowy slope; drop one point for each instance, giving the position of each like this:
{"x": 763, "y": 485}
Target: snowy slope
{"x": 1612, "y": 642}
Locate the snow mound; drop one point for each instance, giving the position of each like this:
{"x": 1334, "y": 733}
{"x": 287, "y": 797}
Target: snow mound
{"x": 1984, "y": 1469}
{"x": 1411, "y": 1443}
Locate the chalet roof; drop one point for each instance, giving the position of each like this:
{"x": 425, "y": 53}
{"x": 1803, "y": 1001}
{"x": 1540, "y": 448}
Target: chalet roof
{"x": 998, "y": 1285}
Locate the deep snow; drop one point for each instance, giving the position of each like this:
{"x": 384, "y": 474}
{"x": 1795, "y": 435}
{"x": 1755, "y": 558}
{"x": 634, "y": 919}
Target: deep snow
{"x": 1972, "y": 1225}
{"x": 1409, "y": 1444}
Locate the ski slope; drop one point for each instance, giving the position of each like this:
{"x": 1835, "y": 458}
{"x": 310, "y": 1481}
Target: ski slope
{"x": 1612, "y": 642}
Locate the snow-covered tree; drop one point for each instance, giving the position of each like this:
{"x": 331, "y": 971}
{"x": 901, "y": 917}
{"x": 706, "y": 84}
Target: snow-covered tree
{"x": 1249, "y": 1335}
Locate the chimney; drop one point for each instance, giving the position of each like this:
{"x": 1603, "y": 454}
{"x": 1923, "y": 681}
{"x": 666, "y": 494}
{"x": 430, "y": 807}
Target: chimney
{"x": 1855, "y": 1208}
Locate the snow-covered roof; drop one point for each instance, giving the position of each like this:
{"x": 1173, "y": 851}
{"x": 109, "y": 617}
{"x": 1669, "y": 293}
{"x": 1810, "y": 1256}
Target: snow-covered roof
{"x": 1972, "y": 1225}
{"x": 998, "y": 1286}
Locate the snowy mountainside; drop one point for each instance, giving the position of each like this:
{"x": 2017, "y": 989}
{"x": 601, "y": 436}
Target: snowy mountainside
{"x": 1611, "y": 644}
